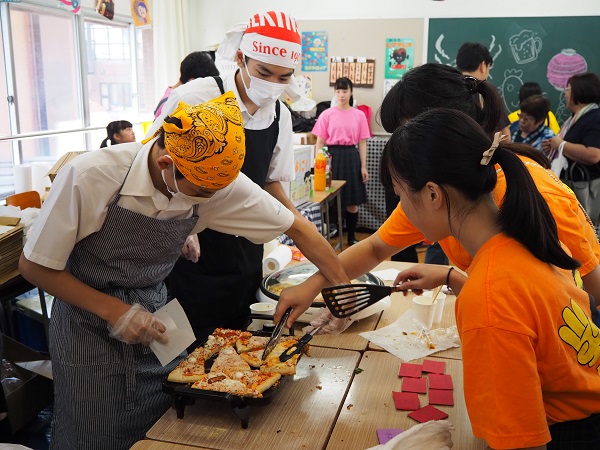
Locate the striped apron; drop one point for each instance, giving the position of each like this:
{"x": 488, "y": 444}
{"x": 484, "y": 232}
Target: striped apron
{"x": 108, "y": 393}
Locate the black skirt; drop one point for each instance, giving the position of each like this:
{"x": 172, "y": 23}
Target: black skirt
{"x": 345, "y": 165}
{"x": 583, "y": 434}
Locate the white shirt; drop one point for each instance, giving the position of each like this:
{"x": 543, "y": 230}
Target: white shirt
{"x": 202, "y": 90}
{"x": 78, "y": 202}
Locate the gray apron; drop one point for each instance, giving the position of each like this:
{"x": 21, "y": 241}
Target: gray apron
{"x": 108, "y": 393}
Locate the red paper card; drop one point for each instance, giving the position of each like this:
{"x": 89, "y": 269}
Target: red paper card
{"x": 427, "y": 413}
{"x": 437, "y": 381}
{"x": 410, "y": 370}
{"x": 418, "y": 385}
{"x": 441, "y": 397}
{"x": 434, "y": 366}
{"x": 406, "y": 401}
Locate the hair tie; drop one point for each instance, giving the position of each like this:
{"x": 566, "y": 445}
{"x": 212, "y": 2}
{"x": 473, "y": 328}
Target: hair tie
{"x": 487, "y": 155}
{"x": 472, "y": 83}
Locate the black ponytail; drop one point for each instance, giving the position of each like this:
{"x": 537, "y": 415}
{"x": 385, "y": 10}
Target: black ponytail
{"x": 446, "y": 147}
{"x": 113, "y": 128}
{"x": 525, "y": 215}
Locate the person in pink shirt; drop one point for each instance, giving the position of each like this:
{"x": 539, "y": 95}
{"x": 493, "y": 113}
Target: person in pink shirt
{"x": 344, "y": 130}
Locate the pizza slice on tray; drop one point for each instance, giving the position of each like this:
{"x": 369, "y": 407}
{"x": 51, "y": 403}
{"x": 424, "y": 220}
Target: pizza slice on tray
{"x": 273, "y": 364}
{"x": 254, "y": 358}
{"x": 190, "y": 369}
{"x": 250, "y": 343}
{"x": 229, "y": 362}
{"x": 220, "y": 338}
{"x": 220, "y": 382}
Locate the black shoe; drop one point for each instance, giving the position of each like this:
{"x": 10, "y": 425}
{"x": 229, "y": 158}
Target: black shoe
{"x": 353, "y": 241}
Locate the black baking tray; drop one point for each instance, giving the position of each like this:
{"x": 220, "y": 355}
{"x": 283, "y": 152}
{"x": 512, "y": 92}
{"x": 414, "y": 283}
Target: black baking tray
{"x": 184, "y": 394}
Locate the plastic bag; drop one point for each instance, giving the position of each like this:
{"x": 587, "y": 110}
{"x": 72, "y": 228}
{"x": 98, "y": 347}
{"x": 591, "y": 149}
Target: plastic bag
{"x": 432, "y": 435}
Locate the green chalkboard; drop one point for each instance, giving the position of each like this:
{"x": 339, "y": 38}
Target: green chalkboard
{"x": 546, "y": 50}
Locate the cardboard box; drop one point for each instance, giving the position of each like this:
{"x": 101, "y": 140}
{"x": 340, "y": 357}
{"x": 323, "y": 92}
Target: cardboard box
{"x": 305, "y": 139}
{"x": 64, "y": 159}
{"x": 300, "y": 186}
{"x": 11, "y": 246}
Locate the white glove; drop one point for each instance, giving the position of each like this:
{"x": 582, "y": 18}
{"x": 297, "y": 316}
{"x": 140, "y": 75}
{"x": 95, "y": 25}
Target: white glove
{"x": 328, "y": 323}
{"x": 191, "y": 248}
{"x": 138, "y": 326}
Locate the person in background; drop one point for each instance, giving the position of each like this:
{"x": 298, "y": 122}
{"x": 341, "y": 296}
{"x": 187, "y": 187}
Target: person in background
{"x": 531, "y": 128}
{"x": 433, "y": 86}
{"x": 538, "y": 387}
{"x": 195, "y": 65}
{"x": 527, "y": 90}
{"x": 218, "y": 289}
{"x": 579, "y": 139}
{"x": 109, "y": 233}
{"x": 118, "y": 132}
{"x": 474, "y": 59}
{"x": 345, "y": 130}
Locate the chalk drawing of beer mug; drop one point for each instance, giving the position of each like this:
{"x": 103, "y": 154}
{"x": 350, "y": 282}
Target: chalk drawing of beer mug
{"x": 525, "y": 46}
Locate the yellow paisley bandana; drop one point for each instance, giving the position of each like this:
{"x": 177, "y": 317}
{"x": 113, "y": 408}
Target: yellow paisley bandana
{"x": 209, "y": 146}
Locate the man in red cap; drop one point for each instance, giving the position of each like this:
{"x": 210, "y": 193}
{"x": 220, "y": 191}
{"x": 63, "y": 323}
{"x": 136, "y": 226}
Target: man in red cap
{"x": 218, "y": 290}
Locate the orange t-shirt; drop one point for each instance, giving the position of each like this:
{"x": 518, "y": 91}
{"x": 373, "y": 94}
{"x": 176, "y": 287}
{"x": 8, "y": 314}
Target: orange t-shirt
{"x": 531, "y": 353}
{"x": 575, "y": 229}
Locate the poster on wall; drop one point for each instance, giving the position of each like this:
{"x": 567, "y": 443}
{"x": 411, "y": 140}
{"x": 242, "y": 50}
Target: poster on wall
{"x": 106, "y": 8}
{"x": 140, "y": 13}
{"x": 388, "y": 84}
{"x": 399, "y": 56}
{"x": 314, "y": 51}
{"x": 361, "y": 71}
{"x": 70, "y": 5}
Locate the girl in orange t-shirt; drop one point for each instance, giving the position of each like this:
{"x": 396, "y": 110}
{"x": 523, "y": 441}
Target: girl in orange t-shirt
{"x": 531, "y": 353}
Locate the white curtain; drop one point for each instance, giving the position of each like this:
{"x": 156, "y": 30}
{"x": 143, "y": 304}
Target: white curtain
{"x": 171, "y": 32}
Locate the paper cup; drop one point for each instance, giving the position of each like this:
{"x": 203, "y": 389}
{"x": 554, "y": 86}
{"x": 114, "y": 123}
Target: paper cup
{"x": 267, "y": 309}
{"x": 439, "y": 305}
{"x": 423, "y": 310}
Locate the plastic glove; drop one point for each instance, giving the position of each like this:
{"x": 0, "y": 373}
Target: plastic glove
{"x": 328, "y": 323}
{"x": 138, "y": 326}
{"x": 191, "y": 248}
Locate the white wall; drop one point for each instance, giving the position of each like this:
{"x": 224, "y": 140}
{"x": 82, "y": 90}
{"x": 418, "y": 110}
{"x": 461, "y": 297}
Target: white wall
{"x": 215, "y": 20}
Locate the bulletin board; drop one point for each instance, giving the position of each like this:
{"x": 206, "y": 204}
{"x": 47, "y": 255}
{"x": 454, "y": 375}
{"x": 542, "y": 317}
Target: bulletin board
{"x": 362, "y": 38}
{"x": 547, "y": 50}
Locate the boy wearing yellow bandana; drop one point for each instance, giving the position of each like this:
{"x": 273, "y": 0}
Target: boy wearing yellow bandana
{"x": 108, "y": 234}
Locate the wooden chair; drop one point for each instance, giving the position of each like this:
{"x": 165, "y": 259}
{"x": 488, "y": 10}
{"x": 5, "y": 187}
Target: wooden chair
{"x": 27, "y": 199}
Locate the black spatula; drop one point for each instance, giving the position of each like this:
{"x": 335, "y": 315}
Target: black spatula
{"x": 347, "y": 299}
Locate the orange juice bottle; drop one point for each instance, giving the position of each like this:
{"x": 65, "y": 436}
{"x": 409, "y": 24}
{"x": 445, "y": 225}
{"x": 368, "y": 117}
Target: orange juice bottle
{"x": 320, "y": 175}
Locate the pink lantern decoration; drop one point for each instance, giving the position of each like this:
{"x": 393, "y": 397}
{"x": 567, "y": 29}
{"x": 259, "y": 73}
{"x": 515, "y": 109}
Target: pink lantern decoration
{"x": 563, "y": 66}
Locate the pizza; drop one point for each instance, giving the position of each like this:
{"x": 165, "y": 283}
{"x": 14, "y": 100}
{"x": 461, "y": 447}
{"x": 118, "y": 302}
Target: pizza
{"x": 220, "y": 338}
{"x": 250, "y": 343}
{"x": 254, "y": 358}
{"x": 229, "y": 361}
{"x": 273, "y": 364}
{"x": 234, "y": 354}
{"x": 189, "y": 369}
{"x": 220, "y": 382}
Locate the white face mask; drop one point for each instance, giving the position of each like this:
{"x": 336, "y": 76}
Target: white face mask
{"x": 261, "y": 92}
{"x": 190, "y": 199}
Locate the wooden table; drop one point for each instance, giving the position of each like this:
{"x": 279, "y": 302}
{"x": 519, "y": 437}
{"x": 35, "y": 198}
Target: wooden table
{"x": 303, "y": 412}
{"x": 349, "y": 339}
{"x": 369, "y": 406}
{"x": 401, "y": 304}
{"x": 158, "y": 445}
{"x": 323, "y": 198}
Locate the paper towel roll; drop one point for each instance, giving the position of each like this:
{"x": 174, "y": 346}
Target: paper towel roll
{"x": 277, "y": 259}
{"x": 269, "y": 247}
{"x": 39, "y": 177}
{"x": 22, "y": 174}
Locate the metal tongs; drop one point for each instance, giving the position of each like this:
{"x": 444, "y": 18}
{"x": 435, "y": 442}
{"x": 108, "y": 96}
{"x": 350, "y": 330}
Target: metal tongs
{"x": 277, "y": 333}
{"x": 296, "y": 349}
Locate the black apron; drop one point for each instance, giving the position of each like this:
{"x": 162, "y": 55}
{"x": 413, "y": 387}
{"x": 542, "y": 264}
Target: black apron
{"x": 218, "y": 290}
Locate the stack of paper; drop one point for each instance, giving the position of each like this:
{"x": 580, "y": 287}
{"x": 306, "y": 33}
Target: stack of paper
{"x": 11, "y": 246}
